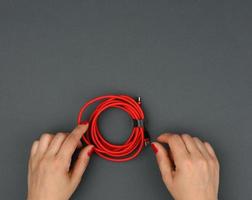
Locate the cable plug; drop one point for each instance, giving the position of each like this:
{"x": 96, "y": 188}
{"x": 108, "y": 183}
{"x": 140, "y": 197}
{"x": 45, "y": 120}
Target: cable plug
{"x": 146, "y": 137}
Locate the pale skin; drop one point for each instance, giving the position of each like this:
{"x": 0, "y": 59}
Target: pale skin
{"x": 189, "y": 168}
{"x": 49, "y": 176}
{"x": 194, "y": 177}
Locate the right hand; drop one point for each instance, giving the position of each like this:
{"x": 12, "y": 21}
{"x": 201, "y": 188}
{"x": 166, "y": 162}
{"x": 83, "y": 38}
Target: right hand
{"x": 189, "y": 168}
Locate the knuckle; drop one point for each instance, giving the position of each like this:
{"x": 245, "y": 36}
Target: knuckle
{"x": 164, "y": 177}
{"x": 57, "y": 163}
{"x": 73, "y": 138}
{"x": 61, "y": 135}
{"x": 32, "y": 163}
{"x": 212, "y": 163}
{"x": 45, "y": 136}
{"x": 165, "y": 135}
{"x": 188, "y": 162}
{"x": 60, "y": 163}
{"x": 207, "y": 143}
{"x": 49, "y": 165}
{"x": 79, "y": 127}
{"x": 43, "y": 164}
{"x": 185, "y": 135}
{"x": 60, "y": 158}
{"x": 174, "y": 137}
{"x": 35, "y": 142}
{"x": 202, "y": 163}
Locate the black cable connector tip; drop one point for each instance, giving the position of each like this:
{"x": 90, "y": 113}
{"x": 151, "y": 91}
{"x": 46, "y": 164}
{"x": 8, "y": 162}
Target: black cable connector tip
{"x": 146, "y": 137}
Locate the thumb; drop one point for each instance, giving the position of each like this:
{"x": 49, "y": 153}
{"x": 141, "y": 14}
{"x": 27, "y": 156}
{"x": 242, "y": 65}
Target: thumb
{"x": 164, "y": 162}
{"x": 81, "y": 164}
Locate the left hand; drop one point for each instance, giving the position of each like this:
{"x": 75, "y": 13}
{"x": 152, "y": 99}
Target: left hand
{"x": 49, "y": 176}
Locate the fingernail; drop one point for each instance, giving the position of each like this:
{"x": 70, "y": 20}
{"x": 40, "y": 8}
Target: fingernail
{"x": 90, "y": 152}
{"x": 81, "y": 143}
{"x": 84, "y": 123}
{"x": 154, "y": 148}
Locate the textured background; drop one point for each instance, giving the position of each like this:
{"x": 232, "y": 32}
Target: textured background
{"x": 189, "y": 60}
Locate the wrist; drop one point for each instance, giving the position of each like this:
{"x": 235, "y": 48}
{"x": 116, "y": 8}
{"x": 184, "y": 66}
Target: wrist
{"x": 197, "y": 198}
{"x": 42, "y": 198}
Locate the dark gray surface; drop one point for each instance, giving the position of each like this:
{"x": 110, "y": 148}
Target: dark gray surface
{"x": 189, "y": 60}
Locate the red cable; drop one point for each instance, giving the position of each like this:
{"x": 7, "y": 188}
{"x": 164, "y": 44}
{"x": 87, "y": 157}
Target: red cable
{"x": 115, "y": 152}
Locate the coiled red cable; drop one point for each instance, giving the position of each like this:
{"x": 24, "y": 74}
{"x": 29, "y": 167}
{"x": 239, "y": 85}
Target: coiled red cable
{"x": 115, "y": 152}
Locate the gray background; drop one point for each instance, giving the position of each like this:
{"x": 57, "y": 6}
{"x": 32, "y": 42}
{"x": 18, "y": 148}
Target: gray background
{"x": 189, "y": 60}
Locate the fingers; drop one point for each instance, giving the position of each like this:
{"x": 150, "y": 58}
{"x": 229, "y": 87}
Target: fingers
{"x": 34, "y": 148}
{"x": 190, "y": 143}
{"x": 177, "y": 147}
{"x": 201, "y": 147}
{"x": 44, "y": 142}
{"x": 56, "y": 143}
{"x": 81, "y": 164}
{"x": 210, "y": 150}
{"x": 71, "y": 142}
{"x": 51, "y": 144}
{"x": 33, "y": 152}
{"x": 164, "y": 162}
{"x": 193, "y": 145}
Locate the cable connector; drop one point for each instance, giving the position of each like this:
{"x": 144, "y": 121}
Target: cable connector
{"x": 146, "y": 137}
{"x": 139, "y": 101}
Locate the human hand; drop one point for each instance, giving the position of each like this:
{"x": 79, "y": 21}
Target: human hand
{"x": 49, "y": 174}
{"x": 189, "y": 168}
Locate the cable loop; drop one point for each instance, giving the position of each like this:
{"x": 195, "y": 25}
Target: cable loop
{"x": 115, "y": 152}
